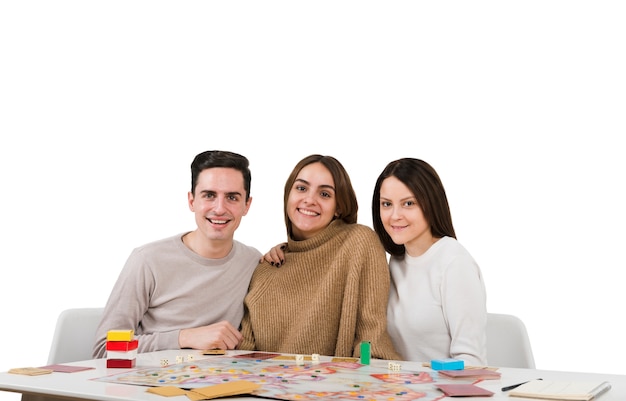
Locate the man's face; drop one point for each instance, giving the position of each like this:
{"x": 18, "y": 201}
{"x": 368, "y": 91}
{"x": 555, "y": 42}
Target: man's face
{"x": 219, "y": 203}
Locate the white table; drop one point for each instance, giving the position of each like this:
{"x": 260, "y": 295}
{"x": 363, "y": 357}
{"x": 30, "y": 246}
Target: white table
{"x": 79, "y": 385}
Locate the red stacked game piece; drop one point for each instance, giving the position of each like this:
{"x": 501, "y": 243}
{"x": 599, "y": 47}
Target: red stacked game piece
{"x": 121, "y": 349}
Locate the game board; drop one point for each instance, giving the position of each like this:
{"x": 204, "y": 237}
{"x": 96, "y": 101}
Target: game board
{"x": 287, "y": 380}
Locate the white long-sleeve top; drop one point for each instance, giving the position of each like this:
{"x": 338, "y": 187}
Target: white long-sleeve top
{"x": 437, "y": 305}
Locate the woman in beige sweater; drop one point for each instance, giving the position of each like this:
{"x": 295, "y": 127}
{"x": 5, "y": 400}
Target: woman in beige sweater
{"x": 331, "y": 292}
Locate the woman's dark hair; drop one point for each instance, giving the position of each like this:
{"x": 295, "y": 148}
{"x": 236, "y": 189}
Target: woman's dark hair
{"x": 425, "y": 184}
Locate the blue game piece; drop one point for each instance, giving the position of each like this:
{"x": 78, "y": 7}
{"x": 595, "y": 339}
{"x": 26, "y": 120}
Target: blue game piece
{"x": 447, "y": 364}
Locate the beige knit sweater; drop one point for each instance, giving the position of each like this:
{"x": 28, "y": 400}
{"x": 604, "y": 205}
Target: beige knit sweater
{"x": 329, "y": 295}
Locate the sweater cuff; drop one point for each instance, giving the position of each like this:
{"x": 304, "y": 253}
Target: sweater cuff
{"x": 169, "y": 340}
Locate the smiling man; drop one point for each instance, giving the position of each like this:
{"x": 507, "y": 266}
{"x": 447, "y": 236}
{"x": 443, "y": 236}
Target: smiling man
{"x": 187, "y": 291}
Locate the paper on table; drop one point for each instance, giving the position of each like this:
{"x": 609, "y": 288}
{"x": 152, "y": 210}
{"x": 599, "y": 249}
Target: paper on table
{"x": 225, "y": 389}
{"x": 561, "y": 390}
{"x": 471, "y": 373}
{"x": 29, "y": 371}
{"x": 67, "y": 368}
{"x": 463, "y": 390}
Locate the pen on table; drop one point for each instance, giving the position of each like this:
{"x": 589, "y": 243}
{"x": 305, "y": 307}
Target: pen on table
{"x": 511, "y": 387}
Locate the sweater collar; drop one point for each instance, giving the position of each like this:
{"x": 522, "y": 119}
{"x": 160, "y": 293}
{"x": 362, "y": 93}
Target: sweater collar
{"x": 334, "y": 228}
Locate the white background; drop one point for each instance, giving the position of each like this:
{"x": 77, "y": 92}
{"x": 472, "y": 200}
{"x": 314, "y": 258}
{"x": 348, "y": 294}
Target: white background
{"x": 520, "y": 106}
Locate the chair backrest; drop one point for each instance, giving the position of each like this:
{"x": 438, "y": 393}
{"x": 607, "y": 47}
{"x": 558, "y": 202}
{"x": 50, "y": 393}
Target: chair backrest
{"x": 74, "y": 335}
{"x": 508, "y": 344}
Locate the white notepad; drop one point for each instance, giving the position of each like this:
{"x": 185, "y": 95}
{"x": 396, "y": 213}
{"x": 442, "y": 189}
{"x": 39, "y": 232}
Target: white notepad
{"x": 561, "y": 390}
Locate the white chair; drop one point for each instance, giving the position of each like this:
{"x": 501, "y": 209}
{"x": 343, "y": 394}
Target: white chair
{"x": 74, "y": 335}
{"x": 508, "y": 344}
{"x": 73, "y": 340}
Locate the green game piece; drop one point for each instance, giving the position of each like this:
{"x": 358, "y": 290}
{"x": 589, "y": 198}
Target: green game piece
{"x": 365, "y": 352}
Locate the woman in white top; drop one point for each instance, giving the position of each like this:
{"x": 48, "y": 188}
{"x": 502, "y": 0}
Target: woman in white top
{"x": 437, "y": 301}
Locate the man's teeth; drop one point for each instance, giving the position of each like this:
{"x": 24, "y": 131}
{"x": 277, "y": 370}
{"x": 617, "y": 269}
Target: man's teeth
{"x": 218, "y": 221}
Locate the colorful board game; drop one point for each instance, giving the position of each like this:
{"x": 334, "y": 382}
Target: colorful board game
{"x": 287, "y": 379}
